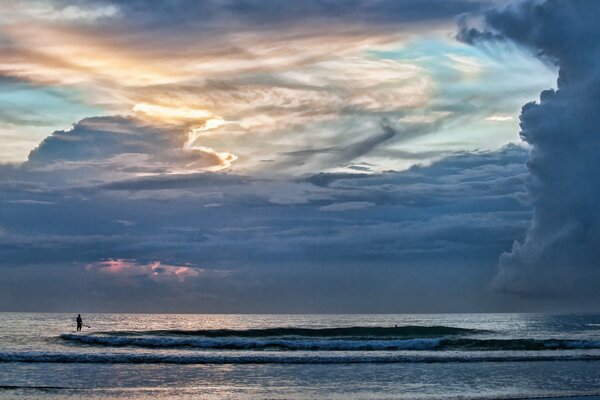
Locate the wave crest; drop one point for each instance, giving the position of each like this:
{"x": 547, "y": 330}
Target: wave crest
{"x": 405, "y": 331}
{"x": 316, "y": 344}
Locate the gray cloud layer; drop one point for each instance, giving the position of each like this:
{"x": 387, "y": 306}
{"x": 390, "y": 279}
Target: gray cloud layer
{"x": 327, "y": 242}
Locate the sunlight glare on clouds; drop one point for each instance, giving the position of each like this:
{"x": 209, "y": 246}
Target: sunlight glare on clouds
{"x": 500, "y": 118}
{"x": 196, "y": 122}
{"x": 225, "y": 159}
{"x": 69, "y": 57}
{"x": 172, "y": 114}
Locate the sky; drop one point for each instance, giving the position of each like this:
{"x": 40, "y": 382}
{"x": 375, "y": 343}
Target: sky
{"x": 313, "y": 157}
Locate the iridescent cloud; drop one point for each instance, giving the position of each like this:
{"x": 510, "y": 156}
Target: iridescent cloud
{"x": 248, "y": 83}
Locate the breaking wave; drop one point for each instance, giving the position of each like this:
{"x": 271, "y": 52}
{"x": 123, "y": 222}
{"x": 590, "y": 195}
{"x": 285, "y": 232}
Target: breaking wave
{"x": 316, "y": 344}
{"x": 254, "y": 344}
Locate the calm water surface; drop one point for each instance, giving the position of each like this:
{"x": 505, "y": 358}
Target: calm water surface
{"x": 487, "y": 356}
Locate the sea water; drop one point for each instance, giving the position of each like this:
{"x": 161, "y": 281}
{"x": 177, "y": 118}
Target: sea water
{"x": 460, "y": 356}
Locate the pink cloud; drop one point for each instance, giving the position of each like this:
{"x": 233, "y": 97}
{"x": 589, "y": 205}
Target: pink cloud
{"x": 157, "y": 271}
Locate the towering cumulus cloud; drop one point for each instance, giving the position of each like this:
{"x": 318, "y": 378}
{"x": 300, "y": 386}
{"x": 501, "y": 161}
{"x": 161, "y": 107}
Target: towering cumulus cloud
{"x": 560, "y": 256}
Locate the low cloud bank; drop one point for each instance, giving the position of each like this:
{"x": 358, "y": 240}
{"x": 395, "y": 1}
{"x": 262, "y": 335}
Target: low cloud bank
{"x": 100, "y": 236}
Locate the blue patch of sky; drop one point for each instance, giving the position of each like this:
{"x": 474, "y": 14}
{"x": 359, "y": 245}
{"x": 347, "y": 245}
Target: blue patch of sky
{"x": 51, "y": 105}
{"x": 474, "y": 83}
{"x": 29, "y": 113}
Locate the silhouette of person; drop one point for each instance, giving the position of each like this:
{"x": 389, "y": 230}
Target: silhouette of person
{"x": 79, "y": 322}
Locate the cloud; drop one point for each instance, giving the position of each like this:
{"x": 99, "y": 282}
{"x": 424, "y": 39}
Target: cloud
{"x": 297, "y": 145}
{"x": 266, "y": 14}
{"x": 73, "y": 12}
{"x": 349, "y": 157}
{"x": 499, "y": 118}
{"x": 559, "y": 257}
{"x": 365, "y": 146}
{"x": 110, "y": 148}
{"x": 266, "y": 81}
{"x": 129, "y": 270}
{"x": 174, "y": 181}
{"x": 282, "y": 237}
{"x": 350, "y": 205}
{"x": 28, "y": 201}
{"x": 240, "y": 33}
{"x": 328, "y": 157}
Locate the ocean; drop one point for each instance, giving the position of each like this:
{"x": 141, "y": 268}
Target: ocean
{"x": 458, "y": 356}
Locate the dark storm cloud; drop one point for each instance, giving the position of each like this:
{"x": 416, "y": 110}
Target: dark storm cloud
{"x": 560, "y": 255}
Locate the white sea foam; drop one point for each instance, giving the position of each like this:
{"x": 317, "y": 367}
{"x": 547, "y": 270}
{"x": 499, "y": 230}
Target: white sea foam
{"x": 330, "y": 344}
{"x": 254, "y": 344}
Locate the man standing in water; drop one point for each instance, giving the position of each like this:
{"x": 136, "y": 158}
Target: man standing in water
{"x": 79, "y": 322}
